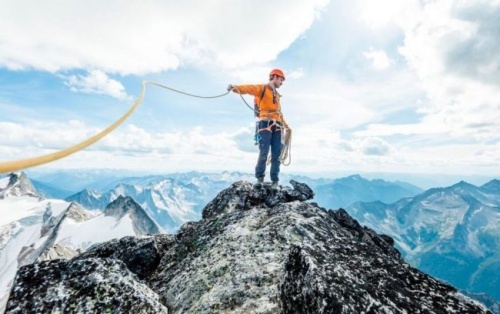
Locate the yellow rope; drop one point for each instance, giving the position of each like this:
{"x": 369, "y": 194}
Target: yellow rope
{"x": 286, "y": 151}
{"x": 16, "y": 165}
{"x": 285, "y": 155}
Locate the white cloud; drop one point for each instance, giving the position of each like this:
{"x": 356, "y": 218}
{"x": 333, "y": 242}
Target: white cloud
{"x": 343, "y": 116}
{"x": 96, "y": 82}
{"x": 245, "y": 140}
{"x": 453, "y": 48}
{"x": 43, "y": 135}
{"x": 379, "y": 59}
{"x": 378, "y": 14}
{"x": 127, "y": 38}
{"x": 24, "y": 141}
{"x": 375, "y": 146}
{"x": 313, "y": 149}
{"x": 333, "y": 102}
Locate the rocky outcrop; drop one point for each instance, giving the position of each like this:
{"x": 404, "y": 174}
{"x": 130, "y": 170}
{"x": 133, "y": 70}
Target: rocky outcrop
{"x": 82, "y": 286}
{"x": 254, "y": 251}
{"x": 58, "y": 251}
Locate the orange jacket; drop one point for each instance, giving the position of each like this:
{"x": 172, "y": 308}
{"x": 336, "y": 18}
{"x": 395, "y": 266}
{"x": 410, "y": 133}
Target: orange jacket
{"x": 269, "y": 105}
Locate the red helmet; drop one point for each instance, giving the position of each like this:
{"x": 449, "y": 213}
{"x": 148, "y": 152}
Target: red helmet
{"x": 277, "y": 72}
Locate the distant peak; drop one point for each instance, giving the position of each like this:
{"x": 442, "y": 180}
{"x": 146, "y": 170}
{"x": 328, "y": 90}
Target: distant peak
{"x": 123, "y": 200}
{"x": 492, "y": 186}
{"x": 19, "y": 185}
{"x": 462, "y": 184}
{"x": 355, "y": 177}
{"x": 126, "y": 205}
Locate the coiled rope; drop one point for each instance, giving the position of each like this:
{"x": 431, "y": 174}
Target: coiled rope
{"x": 16, "y": 165}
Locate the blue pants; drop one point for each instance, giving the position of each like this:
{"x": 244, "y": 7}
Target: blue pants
{"x": 269, "y": 139}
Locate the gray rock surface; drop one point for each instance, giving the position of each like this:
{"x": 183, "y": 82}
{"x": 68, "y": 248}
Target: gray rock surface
{"x": 254, "y": 251}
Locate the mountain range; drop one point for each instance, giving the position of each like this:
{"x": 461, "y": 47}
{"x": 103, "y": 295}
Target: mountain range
{"x": 161, "y": 203}
{"x": 255, "y": 250}
{"x": 34, "y": 228}
{"x": 452, "y": 233}
{"x": 345, "y": 191}
{"x": 175, "y": 199}
{"x": 170, "y": 200}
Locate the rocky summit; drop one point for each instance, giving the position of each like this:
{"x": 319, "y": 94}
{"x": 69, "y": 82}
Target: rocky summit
{"x": 254, "y": 251}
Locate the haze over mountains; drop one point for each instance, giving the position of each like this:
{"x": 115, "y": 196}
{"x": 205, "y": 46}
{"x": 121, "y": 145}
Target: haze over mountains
{"x": 456, "y": 223}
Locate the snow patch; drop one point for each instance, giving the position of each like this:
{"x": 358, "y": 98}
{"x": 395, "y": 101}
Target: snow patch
{"x": 4, "y": 182}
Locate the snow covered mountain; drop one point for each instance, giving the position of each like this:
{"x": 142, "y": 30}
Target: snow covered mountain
{"x": 17, "y": 184}
{"x": 28, "y": 227}
{"x": 254, "y": 251}
{"x": 170, "y": 200}
{"x": 33, "y": 228}
{"x": 125, "y": 206}
{"x": 91, "y": 199}
{"x": 178, "y": 198}
{"x": 452, "y": 233}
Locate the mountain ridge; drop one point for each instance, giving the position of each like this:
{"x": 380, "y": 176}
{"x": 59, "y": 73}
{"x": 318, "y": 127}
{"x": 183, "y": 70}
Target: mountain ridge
{"x": 255, "y": 250}
{"x": 445, "y": 231}
{"x": 173, "y": 200}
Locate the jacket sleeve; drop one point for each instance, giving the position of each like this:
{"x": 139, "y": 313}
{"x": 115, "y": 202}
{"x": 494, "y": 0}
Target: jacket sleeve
{"x": 255, "y": 90}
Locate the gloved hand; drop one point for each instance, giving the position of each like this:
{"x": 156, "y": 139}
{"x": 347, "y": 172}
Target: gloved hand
{"x": 230, "y": 87}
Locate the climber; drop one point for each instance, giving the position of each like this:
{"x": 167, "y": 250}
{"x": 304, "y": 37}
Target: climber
{"x": 270, "y": 124}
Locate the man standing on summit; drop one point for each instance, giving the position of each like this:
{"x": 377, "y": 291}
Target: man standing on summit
{"x": 270, "y": 123}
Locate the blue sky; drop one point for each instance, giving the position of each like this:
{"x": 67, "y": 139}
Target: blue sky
{"x": 372, "y": 86}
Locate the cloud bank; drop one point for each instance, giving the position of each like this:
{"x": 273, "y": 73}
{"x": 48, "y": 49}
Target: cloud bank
{"x": 128, "y": 37}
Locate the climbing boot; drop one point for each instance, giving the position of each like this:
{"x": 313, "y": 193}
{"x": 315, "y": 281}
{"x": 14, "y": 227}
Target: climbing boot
{"x": 274, "y": 186}
{"x": 259, "y": 183}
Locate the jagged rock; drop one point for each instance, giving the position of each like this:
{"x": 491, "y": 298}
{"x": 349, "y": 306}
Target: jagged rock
{"x": 77, "y": 213}
{"x": 254, "y": 251}
{"x": 81, "y": 286}
{"x": 243, "y": 196}
{"x": 140, "y": 255}
{"x": 384, "y": 242}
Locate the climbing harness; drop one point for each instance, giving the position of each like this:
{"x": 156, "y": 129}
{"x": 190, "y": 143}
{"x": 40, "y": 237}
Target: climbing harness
{"x": 286, "y": 139}
{"x": 16, "y": 165}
